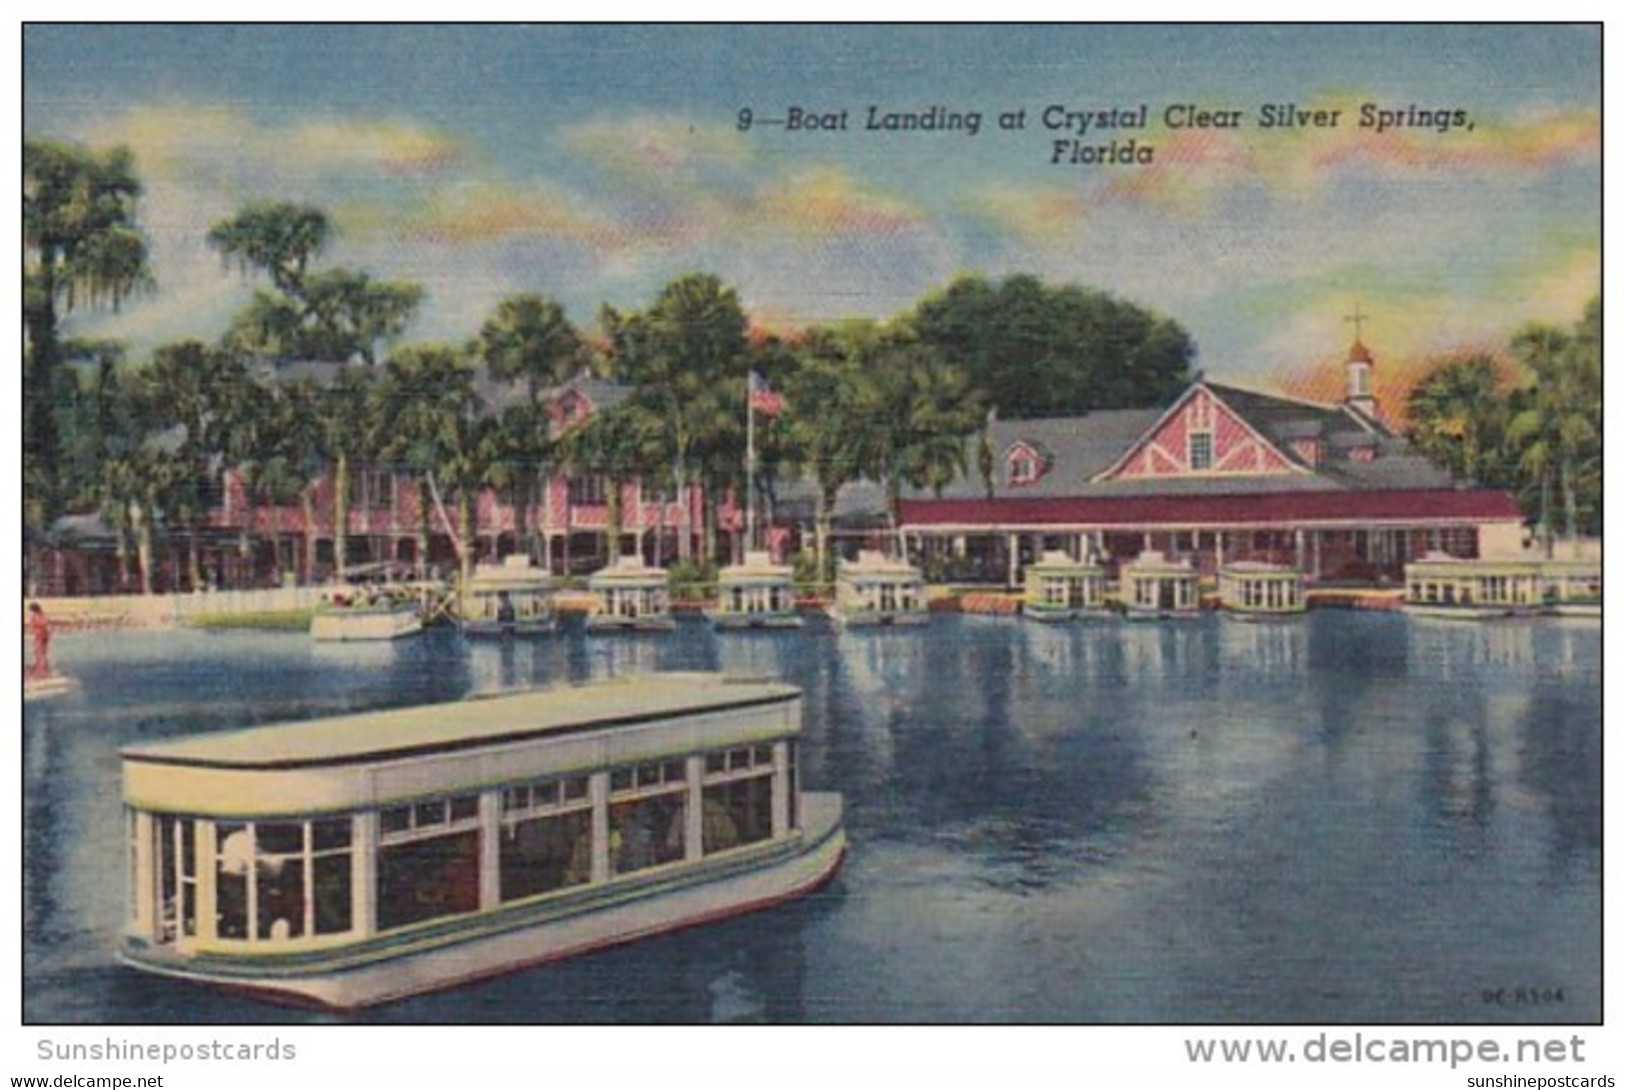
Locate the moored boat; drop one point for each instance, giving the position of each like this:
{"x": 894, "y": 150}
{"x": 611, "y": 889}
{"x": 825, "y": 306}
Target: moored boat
{"x": 1058, "y": 588}
{"x": 1572, "y": 588}
{"x": 1251, "y": 590}
{"x": 755, "y": 594}
{"x": 361, "y": 615}
{"x": 1158, "y": 587}
{"x": 513, "y": 598}
{"x": 1439, "y": 585}
{"x": 877, "y": 591}
{"x": 362, "y": 858}
{"x": 630, "y": 596}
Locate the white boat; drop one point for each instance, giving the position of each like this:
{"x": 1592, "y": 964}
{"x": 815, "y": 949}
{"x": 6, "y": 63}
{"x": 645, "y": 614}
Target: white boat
{"x": 630, "y": 596}
{"x": 1572, "y": 588}
{"x": 755, "y": 594}
{"x": 876, "y": 590}
{"x": 1443, "y": 586}
{"x": 1059, "y": 588}
{"x": 1158, "y": 587}
{"x": 1252, "y": 590}
{"x": 363, "y": 615}
{"x": 48, "y": 687}
{"x": 359, "y": 859}
{"x": 514, "y": 598}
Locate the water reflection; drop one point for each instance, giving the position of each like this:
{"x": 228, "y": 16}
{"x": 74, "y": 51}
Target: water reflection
{"x": 1264, "y": 650}
{"x": 1199, "y": 820}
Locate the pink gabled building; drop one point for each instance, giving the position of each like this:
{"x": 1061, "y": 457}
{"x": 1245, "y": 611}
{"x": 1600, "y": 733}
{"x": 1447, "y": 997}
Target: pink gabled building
{"x": 1222, "y": 474}
{"x": 394, "y": 521}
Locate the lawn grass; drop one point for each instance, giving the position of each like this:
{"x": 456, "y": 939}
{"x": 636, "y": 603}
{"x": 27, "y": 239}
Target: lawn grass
{"x": 270, "y": 620}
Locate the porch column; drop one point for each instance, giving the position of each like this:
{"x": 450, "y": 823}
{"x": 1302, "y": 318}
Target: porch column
{"x": 1013, "y": 546}
{"x": 1297, "y": 549}
{"x": 1218, "y": 549}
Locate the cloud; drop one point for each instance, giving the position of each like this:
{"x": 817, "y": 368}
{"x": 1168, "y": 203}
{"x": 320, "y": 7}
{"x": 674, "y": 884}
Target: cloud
{"x": 220, "y": 145}
{"x": 825, "y": 202}
{"x": 656, "y": 148}
{"x": 1194, "y": 169}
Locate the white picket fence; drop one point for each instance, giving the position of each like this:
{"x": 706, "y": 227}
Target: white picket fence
{"x": 168, "y": 610}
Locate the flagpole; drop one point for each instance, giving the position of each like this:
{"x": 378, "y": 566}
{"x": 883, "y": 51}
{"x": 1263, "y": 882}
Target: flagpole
{"x": 750, "y": 462}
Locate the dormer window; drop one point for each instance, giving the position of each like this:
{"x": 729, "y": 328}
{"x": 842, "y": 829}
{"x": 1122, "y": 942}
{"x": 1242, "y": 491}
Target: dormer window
{"x": 1024, "y": 464}
{"x": 1023, "y": 469}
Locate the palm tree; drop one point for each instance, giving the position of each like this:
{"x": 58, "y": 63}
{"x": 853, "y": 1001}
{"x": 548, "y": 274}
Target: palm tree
{"x": 192, "y": 389}
{"x": 1558, "y": 432}
{"x": 529, "y": 340}
{"x": 679, "y": 355}
{"x": 81, "y": 247}
{"x": 440, "y": 431}
{"x": 620, "y": 443}
{"x": 345, "y": 434}
{"x": 922, "y": 409}
{"x": 1458, "y": 417}
{"x": 830, "y": 428}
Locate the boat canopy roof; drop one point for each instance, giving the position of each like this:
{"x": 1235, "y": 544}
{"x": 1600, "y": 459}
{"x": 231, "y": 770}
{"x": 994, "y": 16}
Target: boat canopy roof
{"x": 1470, "y": 566}
{"x": 628, "y": 569}
{"x": 1160, "y": 563}
{"x": 1258, "y": 568}
{"x": 1054, "y": 560}
{"x": 874, "y": 563}
{"x": 757, "y": 568}
{"x": 391, "y": 734}
{"x": 515, "y": 573}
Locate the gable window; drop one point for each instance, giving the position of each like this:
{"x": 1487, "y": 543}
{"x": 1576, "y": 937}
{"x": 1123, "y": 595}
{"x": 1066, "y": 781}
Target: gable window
{"x": 1201, "y": 450}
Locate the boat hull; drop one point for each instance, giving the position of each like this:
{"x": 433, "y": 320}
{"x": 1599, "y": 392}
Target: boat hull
{"x": 1261, "y": 616}
{"x": 1133, "y": 614}
{"x": 881, "y": 618}
{"x": 1588, "y": 611}
{"x": 617, "y": 913}
{"x": 608, "y": 624}
{"x": 358, "y": 625}
{"x": 48, "y": 688}
{"x": 1466, "y": 613}
{"x": 510, "y": 628}
{"x": 734, "y": 622}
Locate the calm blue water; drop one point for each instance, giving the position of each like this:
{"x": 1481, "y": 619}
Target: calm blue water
{"x": 1355, "y": 817}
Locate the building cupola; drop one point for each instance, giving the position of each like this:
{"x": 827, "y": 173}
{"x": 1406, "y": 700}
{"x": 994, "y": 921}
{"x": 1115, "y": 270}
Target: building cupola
{"x": 1361, "y": 395}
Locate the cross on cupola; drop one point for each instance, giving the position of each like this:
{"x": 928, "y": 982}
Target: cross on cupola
{"x": 1358, "y": 367}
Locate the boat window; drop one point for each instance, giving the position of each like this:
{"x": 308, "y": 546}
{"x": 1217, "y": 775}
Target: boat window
{"x": 793, "y": 818}
{"x": 428, "y": 877}
{"x": 648, "y": 831}
{"x": 429, "y": 814}
{"x": 737, "y": 799}
{"x": 541, "y": 854}
{"x": 395, "y": 819}
{"x": 279, "y": 875}
{"x": 330, "y": 875}
{"x": 544, "y": 795}
{"x": 234, "y": 854}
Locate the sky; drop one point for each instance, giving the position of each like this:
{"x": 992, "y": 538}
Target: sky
{"x": 594, "y": 164}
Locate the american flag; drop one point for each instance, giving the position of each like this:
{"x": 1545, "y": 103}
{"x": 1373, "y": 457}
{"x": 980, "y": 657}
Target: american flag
{"x": 763, "y": 399}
